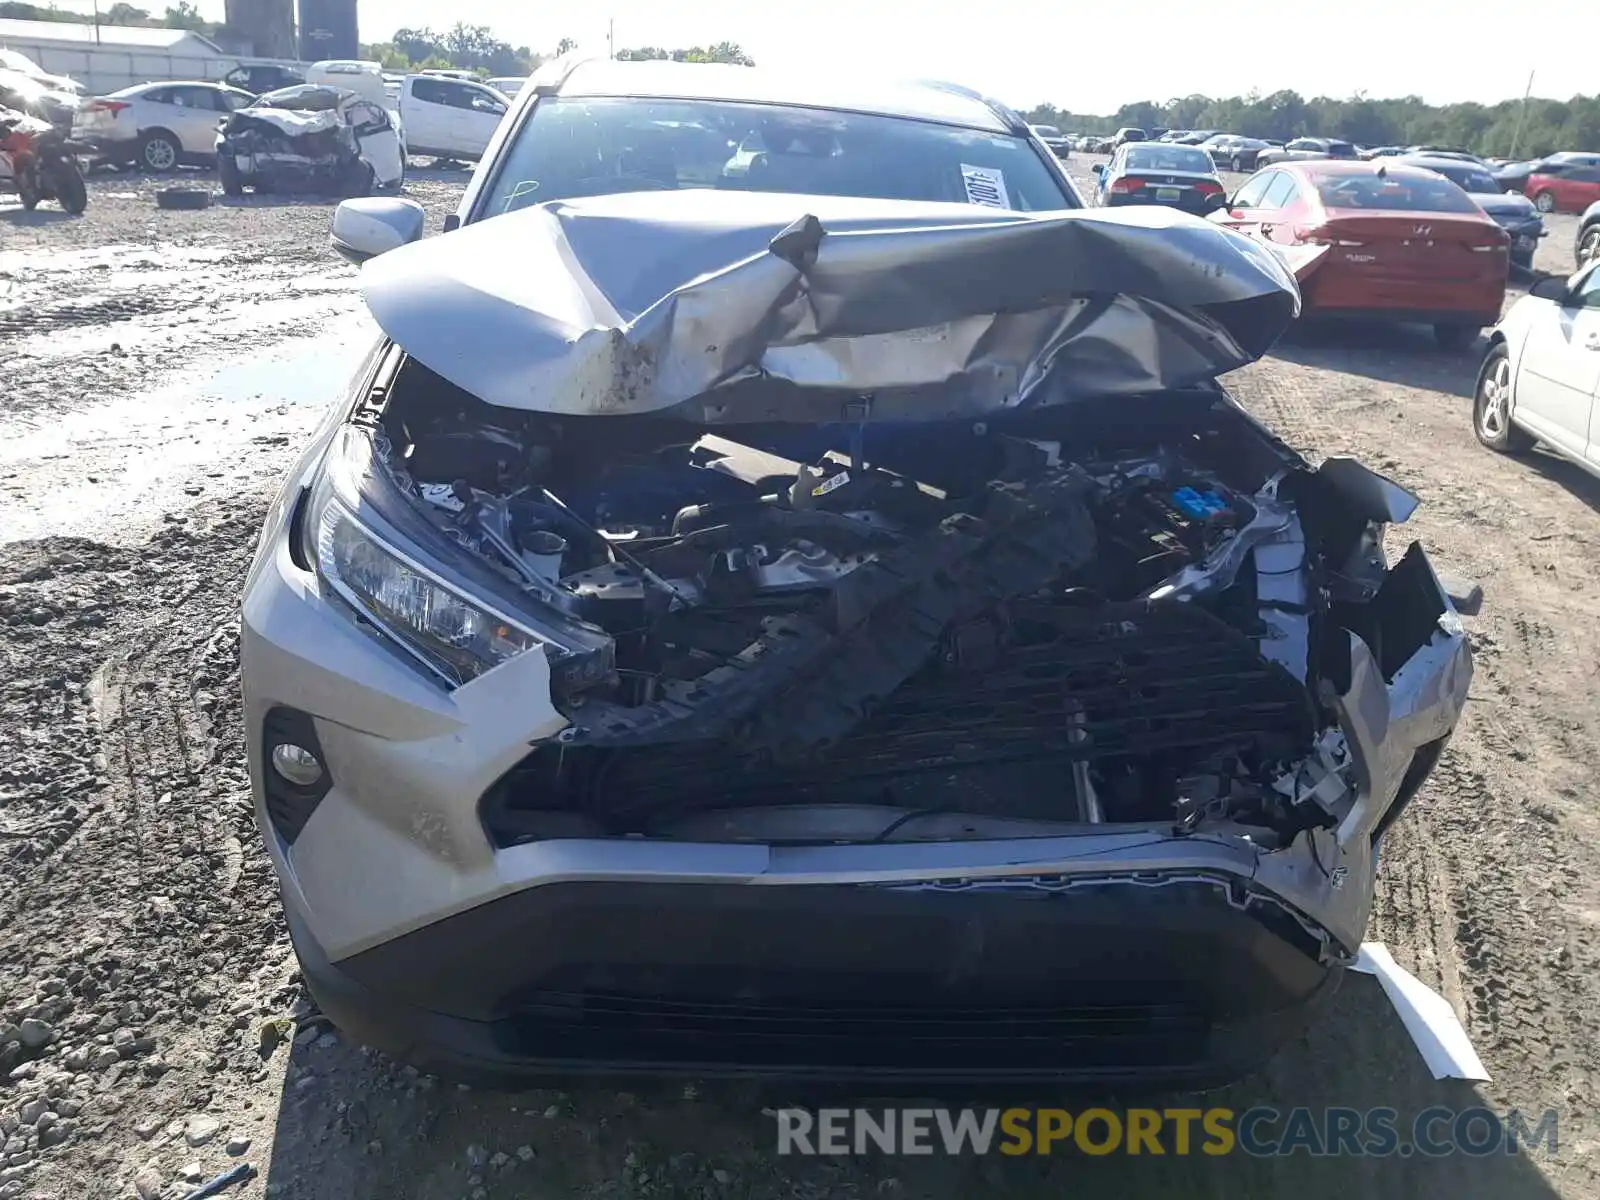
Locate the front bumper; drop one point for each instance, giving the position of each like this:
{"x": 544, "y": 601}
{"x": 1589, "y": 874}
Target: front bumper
{"x": 1166, "y": 982}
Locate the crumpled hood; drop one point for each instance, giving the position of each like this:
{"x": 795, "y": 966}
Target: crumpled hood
{"x": 743, "y": 306}
{"x": 290, "y": 122}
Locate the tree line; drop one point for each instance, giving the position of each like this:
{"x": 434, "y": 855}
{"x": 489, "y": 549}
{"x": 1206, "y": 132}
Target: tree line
{"x": 466, "y": 47}
{"x": 1490, "y": 129}
{"x": 182, "y": 15}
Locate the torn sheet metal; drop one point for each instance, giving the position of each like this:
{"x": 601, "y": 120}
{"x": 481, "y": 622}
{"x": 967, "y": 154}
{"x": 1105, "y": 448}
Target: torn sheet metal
{"x": 291, "y": 122}
{"x": 1427, "y": 1016}
{"x": 744, "y": 306}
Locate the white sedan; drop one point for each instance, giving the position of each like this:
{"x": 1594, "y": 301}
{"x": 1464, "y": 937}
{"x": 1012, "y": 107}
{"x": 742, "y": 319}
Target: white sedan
{"x": 158, "y": 126}
{"x": 1541, "y": 379}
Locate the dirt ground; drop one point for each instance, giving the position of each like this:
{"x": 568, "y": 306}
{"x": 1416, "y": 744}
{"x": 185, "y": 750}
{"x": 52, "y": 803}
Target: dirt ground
{"x": 159, "y": 371}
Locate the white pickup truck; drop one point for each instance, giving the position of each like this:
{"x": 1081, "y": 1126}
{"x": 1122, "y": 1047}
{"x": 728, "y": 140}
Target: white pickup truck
{"x": 449, "y": 118}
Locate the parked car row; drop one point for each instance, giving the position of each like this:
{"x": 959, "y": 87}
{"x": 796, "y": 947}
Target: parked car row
{"x": 1183, "y": 175}
{"x": 161, "y": 126}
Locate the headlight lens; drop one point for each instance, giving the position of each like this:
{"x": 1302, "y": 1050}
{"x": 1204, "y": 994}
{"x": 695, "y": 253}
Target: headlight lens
{"x": 451, "y": 633}
{"x": 371, "y": 550}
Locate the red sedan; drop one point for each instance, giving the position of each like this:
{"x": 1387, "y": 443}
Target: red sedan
{"x": 1571, "y": 191}
{"x": 1383, "y": 241}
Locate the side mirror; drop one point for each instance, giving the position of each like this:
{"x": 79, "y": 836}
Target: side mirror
{"x": 1551, "y": 287}
{"x": 1217, "y": 200}
{"x": 1098, "y": 168}
{"x": 367, "y": 227}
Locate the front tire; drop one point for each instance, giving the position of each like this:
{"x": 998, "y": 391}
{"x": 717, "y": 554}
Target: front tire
{"x": 1455, "y": 337}
{"x": 1589, "y": 246}
{"x": 70, "y": 190}
{"x": 28, "y": 190}
{"x": 1238, "y": 165}
{"x": 1545, "y": 202}
{"x": 1491, "y": 406}
{"x": 228, "y": 176}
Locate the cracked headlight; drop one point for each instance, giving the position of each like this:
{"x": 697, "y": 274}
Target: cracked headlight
{"x": 449, "y": 632}
{"x": 378, "y": 556}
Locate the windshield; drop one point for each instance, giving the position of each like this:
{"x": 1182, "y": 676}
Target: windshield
{"x": 1151, "y": 156}
{"x": 586, "y": 146}
{"x": 1393, "y": 194}
{"x": 1466, "y": 176}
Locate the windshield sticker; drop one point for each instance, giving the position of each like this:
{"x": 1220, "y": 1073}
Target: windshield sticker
{"x": 985, "y": 185}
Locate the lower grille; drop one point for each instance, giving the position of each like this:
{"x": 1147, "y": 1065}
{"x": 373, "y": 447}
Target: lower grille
{"x": 1021, "y": 699}
{"x": 1062, "y": 1036}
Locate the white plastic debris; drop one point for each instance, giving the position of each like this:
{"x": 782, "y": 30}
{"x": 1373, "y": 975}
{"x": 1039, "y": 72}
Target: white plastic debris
{"x": 1427, "y": 1016}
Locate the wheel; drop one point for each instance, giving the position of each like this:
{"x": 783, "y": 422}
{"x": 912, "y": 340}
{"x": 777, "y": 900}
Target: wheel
{"x": 28, "y": 190}
{"x": 70, "y": 191}
{"x": 359, "y": 180}
{"x": 1491, "y": 406}
{"x": 1238, "y": 165}
{"x": 1589, "y": 245}
{"x": 159, "y": 152}
{"x": 1455, "y": 337}
{"x": 1545, "y": 202}
{"x": 228, "y": 175}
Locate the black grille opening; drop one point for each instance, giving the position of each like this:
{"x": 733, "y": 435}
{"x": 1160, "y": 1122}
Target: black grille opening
{"x": 1151, "y": 687}
{"x": 1062, "y": 1035}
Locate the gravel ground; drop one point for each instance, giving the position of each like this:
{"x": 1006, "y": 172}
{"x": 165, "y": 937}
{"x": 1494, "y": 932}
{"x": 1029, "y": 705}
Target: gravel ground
{"x": 160, "y": 370}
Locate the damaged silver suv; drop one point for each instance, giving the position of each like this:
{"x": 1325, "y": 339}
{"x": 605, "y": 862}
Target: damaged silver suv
{"x": 828, "y": 628}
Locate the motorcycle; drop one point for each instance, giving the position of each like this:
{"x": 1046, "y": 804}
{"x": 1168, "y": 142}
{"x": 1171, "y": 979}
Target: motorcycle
{"x": 40, "y": 162}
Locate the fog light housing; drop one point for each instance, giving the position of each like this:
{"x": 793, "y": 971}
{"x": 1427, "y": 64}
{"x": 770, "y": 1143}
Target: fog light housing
{"x": 296, "y": 764}
{"x": 294, "y": 771}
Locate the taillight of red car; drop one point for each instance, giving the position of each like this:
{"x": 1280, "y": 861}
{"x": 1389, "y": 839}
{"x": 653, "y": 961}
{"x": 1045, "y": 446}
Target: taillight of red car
{"x": 1322, "y": 235}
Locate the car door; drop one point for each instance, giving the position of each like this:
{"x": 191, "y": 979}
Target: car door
{"x": 1243, "y": 211}
{"x": 1104, "y": 175}
{"x": 380, "y": 144}
{"x": 196, "y": 111}
{"x": 1578, "y": 188}
{"x": 426, "y": 116}
{"x": 475, "y": 115}
{"x": 1269, "y": 212}
{"x": 1559, "y": 369}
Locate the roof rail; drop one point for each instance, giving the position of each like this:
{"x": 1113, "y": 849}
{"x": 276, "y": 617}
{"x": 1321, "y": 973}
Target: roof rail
{"x": 552, "y": 76}
{"x": 1013, "y": 121}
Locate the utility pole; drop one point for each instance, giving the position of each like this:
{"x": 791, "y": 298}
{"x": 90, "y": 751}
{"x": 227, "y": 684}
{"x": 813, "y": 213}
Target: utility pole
{"x": 1522, "y": 116}
{"x": 611, "y": 37}
{"x": 96, "y": 22}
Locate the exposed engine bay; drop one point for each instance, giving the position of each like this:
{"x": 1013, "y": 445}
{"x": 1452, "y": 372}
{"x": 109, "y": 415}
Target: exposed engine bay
{"x": 956, "y": 628}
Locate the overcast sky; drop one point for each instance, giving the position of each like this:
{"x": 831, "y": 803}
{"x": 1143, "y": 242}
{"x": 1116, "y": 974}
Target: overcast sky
{"x": 1088, "y": 57}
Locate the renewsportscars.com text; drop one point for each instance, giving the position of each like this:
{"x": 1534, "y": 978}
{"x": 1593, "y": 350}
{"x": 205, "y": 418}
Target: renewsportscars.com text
{"x": 1260, "y": 1132}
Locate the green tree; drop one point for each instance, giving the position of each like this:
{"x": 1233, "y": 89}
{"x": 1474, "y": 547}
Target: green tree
{"x": 184, "y": 15}
{"x": 722, "y": 52}
{"x": 123, "y": 13}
